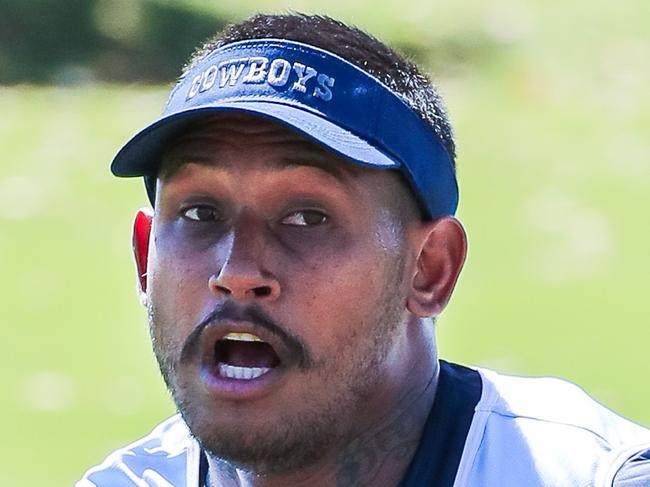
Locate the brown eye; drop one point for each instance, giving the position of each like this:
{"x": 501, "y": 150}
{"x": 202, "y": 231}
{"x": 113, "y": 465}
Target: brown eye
{"x": 305, "y": 218}
{"x": 201, "y": 213}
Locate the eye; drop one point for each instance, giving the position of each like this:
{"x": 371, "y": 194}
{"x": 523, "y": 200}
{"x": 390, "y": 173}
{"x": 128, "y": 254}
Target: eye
{"x": 305, "y": 218}
{"x": 200, "y": 213}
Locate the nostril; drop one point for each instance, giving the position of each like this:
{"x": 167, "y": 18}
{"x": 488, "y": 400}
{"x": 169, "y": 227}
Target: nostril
{"x": 224, "y": 290}
{"x": 240, "y": 289}
{"x": 262, "y": 291}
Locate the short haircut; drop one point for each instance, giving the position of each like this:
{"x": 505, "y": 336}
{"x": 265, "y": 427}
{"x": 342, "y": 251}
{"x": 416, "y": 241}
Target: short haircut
{"x": 354, "y": 45}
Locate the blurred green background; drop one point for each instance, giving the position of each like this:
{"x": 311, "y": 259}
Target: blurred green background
{"x": 552, "y": 114}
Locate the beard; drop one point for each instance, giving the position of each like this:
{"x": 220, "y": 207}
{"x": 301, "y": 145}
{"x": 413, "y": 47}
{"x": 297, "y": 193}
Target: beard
{"x": 338, "y": 388}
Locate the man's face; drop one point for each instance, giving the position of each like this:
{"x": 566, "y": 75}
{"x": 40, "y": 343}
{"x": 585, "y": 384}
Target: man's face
{"x": 260, "y": 234}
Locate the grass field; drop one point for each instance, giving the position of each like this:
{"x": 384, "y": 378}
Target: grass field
{"x": 553, "y": 121}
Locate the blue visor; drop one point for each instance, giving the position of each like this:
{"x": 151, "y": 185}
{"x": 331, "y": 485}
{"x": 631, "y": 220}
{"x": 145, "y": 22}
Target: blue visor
{"x": 314, "y": 92}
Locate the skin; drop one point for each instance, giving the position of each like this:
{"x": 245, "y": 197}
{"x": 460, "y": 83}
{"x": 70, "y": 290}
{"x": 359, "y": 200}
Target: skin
{"x": 250, "y": 215}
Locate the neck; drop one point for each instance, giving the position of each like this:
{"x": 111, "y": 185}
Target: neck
{"x": 378, "y": 455}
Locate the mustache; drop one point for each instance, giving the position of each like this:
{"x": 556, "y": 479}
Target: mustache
{"x": 229, "y": 311}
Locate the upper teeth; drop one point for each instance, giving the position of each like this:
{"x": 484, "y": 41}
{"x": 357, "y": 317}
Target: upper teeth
{"x": 243, "y": 337}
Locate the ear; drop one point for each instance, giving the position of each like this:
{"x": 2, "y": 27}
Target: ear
{"x": 141, "y": 235}
{"x": 441, "y": 247}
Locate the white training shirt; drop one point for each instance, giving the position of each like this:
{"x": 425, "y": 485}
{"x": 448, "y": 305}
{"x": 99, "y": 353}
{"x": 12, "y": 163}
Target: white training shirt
{"x": 524, "y": 432}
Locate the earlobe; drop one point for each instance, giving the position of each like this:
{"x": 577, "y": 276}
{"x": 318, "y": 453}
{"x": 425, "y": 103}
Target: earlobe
{"x": 441, "y": 247}
{"x": 141, "y": 235}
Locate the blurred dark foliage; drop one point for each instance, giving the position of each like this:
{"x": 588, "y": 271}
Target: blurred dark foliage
{"x": 68, "y": 41}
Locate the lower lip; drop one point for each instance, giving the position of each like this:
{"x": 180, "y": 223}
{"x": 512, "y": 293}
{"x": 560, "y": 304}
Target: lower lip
{"x": 240, "y": 388}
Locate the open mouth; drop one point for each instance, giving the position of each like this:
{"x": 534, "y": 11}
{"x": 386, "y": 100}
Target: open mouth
{"x": 244, "y": 356}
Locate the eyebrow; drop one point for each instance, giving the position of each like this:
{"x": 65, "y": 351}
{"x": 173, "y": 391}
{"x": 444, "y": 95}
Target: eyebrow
{"x": 338, "y": 171}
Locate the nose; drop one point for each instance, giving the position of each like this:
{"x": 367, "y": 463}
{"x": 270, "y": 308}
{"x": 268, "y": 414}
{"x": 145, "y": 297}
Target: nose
{"x": 242, "y": 276}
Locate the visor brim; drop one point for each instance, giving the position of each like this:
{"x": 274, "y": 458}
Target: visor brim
{"x": 141, "y": 155}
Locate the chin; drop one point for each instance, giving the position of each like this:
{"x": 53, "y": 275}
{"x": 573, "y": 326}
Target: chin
{"x": 263, "y": 443}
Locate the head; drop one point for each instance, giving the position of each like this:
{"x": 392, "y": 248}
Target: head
{"x": 290, "y": 287}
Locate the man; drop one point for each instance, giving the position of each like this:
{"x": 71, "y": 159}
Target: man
{"x": 302, "y": 238}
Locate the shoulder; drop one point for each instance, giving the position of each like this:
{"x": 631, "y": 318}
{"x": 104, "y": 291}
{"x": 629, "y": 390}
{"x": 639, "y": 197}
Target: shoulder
{"x": 168, "y": 456}
{"x": 546, "y": 431}
{"x": 551, "y": 401}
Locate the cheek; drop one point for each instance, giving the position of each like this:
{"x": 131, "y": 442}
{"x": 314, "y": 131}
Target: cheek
{"x": 178, "y": 291}
{"x": 337, "y": 298}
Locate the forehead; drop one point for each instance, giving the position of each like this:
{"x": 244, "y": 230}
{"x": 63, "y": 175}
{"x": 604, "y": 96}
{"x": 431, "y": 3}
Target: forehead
{"x": 234, "y": 139}
{"x": 230, "y": 139}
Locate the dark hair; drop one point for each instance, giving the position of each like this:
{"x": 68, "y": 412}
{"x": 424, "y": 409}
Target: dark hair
{"x": 354, "y": 45}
